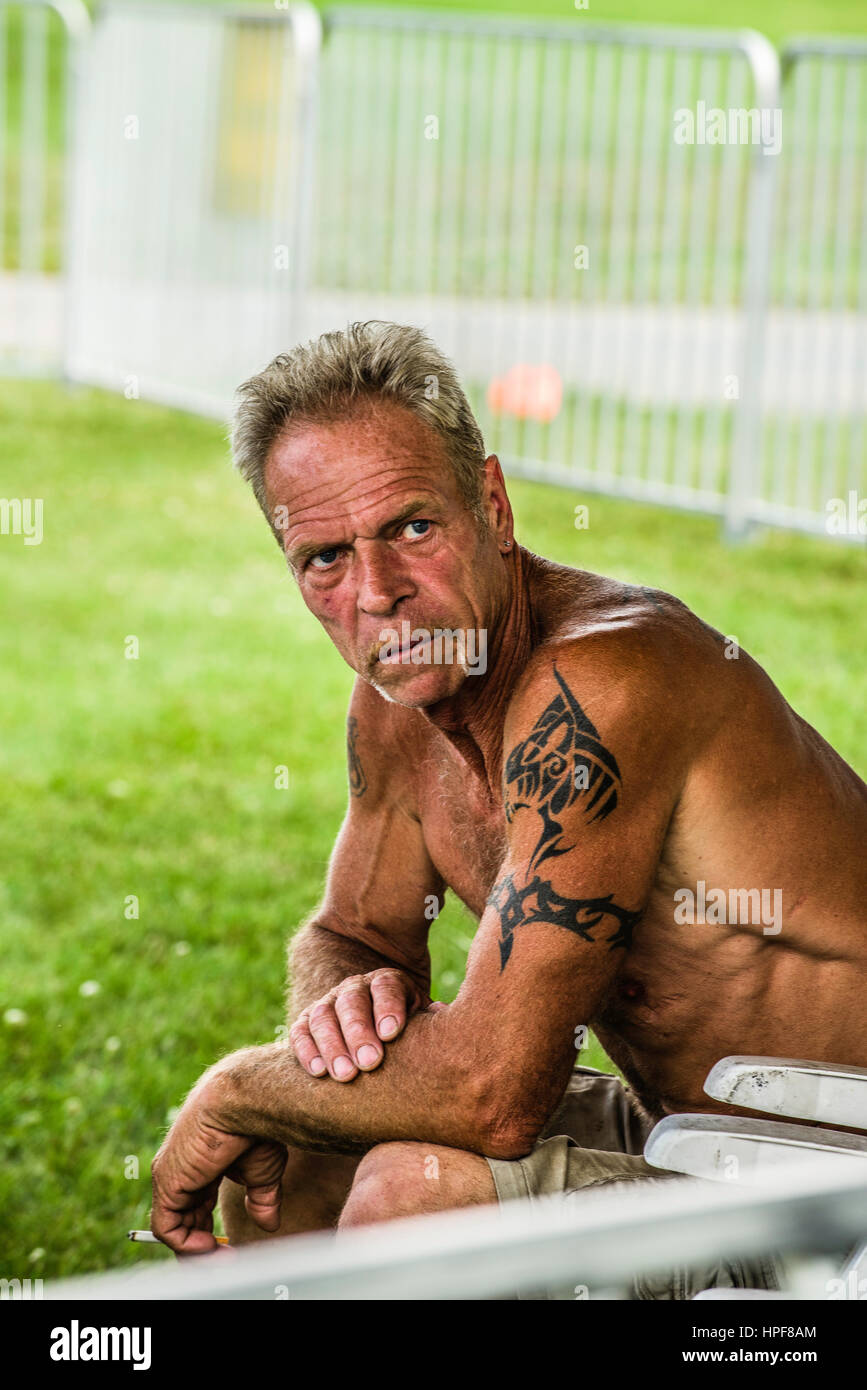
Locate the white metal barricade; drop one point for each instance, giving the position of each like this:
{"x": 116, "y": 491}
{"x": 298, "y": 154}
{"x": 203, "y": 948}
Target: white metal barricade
{"x": 191, "y": 210}
{"x": 648, "y": 265}
{"x": 600, "y": 1240}
{"x": 811, "y": 456}
{"x": 544, "y": 198}
{"x": 40, "y": 45}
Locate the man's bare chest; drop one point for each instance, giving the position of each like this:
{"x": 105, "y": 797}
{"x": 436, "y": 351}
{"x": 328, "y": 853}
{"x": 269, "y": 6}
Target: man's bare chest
{"x": 464, "y": 828}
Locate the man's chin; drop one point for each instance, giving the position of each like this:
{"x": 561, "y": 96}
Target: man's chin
{"x": 416, "y": 686}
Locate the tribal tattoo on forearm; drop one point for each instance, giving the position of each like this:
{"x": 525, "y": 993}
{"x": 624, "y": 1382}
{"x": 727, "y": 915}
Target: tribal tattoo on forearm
{"x": 357, "y": 779}
{"x": 561, "y": 761}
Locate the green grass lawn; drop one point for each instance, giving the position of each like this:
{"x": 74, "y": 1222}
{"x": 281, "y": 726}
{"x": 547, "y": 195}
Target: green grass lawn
{"x": 155, "y": 777}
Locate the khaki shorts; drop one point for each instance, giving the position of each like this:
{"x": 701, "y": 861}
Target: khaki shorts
{"x": 596, "y": 1137}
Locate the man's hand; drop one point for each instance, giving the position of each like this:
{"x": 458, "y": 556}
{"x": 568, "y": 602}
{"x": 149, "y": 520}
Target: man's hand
{"x": 344, "y": 1031}
{"x": 186, "y": 1175}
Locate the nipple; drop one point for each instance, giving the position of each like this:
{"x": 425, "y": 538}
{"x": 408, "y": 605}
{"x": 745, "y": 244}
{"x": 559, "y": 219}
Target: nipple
{"x": 631, "y": 989}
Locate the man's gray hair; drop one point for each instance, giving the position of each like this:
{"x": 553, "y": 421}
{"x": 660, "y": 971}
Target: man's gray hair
{"x": 320, "y": 381}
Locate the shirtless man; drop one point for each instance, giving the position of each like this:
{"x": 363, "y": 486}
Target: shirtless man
{"x": 611, "y": 758}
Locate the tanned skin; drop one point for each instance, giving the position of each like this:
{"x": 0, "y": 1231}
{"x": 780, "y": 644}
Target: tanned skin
{"x": 612, "y": 753}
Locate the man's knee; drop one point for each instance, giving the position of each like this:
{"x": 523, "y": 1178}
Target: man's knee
{"x": 406, "y": 1179}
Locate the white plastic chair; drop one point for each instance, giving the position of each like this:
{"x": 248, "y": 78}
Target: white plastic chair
{"x": 725, "y": 1148}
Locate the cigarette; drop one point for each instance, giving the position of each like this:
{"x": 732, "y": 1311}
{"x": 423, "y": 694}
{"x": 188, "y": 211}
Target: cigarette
{"x": 148, "y": 1238}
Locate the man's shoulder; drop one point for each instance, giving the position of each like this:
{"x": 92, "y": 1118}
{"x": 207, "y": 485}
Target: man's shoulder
{"x": 601, "y": 716}
{"x": 619, "y": 645}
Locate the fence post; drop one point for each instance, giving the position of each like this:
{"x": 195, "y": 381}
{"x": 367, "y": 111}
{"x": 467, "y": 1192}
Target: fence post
{"x": 747, "y": 435}
{"x": 307, "y": 36}
{"x": 76, "y": 17}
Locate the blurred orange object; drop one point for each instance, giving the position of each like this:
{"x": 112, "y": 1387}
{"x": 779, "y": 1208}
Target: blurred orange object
{"x": 526, "y": 391}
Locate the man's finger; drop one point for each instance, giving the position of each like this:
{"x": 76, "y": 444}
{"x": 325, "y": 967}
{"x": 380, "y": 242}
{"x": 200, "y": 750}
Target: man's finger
{"x": 185, "y": 1240}
{"x": 389, "y": 992}
{"x": 328, "y": 1037}
{"x": 355, "y": 1016}
{"x": 261, "y": 1171}
{"x": 305, "y": 1048}
{"x": 186, "y": 1232}
{"x": 263, "y": 1206}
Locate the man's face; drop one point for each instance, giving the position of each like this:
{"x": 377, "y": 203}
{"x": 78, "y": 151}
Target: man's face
{"x": 378, "y": 535}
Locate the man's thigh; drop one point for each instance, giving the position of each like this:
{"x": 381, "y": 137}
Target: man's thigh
{"x": 595, "y": 1138}
{"x": 596, "y": 1135}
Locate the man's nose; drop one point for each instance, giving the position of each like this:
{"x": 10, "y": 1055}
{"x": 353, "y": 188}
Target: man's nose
{"x": 382, "y": 578}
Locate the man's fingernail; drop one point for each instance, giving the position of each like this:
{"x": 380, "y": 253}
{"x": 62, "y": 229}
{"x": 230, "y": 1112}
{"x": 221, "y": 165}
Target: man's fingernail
{"x": 342, "y": 1066}
{"x": 368, "y": 1055}
{"x": 317, "y": 1066}
{"x": 388, "y": 1025}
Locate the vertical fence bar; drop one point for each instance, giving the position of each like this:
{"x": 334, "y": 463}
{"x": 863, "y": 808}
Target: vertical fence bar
{"x": 837, "y": 294}
{"x": 791, "y": 214}
{"x": 714, "y": 439}
{"x": 747, "y": 440}
{"x": 4, "y": 12}
{"x": 811, "y": 434}
{"x": 306, "y": 48}
{"x": 858, "y": 444}
{"x": 569, "y": 284}
{"x": 34, "y": 177}
{"x": 696, "y": 257}
{"x": 32, "y": 162}
{"x": 647, "y": 220}
{"x": 667, "y": 294}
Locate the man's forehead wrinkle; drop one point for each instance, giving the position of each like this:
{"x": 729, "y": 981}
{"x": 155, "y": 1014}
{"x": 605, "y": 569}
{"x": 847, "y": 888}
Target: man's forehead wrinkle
{"x": 382, "y": 482}
{"x": 386, "y": 434}
{"x": 307, "y": 541}
{"x": 318, "y": 521}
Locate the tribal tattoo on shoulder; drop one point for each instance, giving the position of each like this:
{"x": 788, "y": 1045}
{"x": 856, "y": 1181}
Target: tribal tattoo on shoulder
{"x": 357, "y": 779}
{"x": 562, "y": 760}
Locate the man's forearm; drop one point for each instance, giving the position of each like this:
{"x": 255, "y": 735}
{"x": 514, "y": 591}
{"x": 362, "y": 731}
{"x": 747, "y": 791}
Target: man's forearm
{"x": 319, "y": 959}
{"x": 427, "y": 1089}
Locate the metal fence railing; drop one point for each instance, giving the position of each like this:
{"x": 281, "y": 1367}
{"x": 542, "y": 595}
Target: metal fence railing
{"x": 40, "y": 45}
{"x": 192, "y": 188}
{"x": 812, "y": 454}
{"x": 645, "y": 255}
{"x": 520, "y": 188}
{"x": 598, "y": 1240}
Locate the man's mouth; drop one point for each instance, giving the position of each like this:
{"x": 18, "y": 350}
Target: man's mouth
{"x": 392, "y": 656}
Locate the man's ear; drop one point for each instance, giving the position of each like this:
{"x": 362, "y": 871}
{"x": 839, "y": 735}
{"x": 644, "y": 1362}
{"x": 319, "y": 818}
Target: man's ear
{"x": 496, "y": 503}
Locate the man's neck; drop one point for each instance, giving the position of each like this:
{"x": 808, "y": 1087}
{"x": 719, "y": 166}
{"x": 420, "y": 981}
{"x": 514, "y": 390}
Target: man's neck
{"x": 472, "y": 720}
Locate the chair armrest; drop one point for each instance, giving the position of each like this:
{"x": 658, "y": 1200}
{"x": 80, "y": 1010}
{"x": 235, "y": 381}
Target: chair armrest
{"x": 726, "y": 1148}
{"x": 819, "y": 1091}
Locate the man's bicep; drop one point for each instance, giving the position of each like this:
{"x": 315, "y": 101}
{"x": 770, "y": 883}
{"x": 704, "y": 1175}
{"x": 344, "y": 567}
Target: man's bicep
{"x": 550, "y": 944}
{"x": 587, "y": 805}
{"x": 587, "y": 801}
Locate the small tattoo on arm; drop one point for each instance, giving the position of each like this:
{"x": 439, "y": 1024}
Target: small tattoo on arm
{"x": 544, "y": 771}
{"x": 357, "y": 779}
{"x": 538, "y": 902}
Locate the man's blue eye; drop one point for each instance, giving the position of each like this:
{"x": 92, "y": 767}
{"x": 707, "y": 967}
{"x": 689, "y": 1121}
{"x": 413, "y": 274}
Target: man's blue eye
{"x": 418, "y": 523}
{"x": 324, "y": 555}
